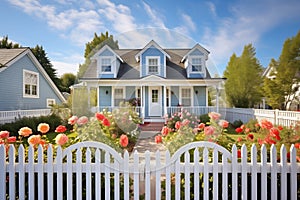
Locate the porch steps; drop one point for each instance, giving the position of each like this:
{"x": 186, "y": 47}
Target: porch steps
{"x": 152, "y": 126}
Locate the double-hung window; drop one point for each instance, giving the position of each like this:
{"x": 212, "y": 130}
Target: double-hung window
{"x": 118, "y": 96}
{"x": 186, "y": 97}
{"x": 106, "y": 65}
{"x": 30, "y": 84}
{"x": 196, "y": 65}
{"x": 153, "y": 65}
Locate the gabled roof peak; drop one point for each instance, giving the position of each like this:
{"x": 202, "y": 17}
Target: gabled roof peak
{"x": 103, "y": 49}
{"x": 200, "y": 48}
{"x": 151, "y": 43}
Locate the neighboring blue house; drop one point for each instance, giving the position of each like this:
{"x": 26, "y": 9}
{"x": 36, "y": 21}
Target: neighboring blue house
{"x": 161, "y": 79}
{"x": 24, "y": 84}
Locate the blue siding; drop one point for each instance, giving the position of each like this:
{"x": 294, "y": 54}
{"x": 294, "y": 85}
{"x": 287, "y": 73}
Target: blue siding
{"x": 152, "y": 51}
{"x": 106, "y": 75}
{"x": 196, "y": 52}
{"x": 105, "y": 99}
{"x": 196, "y": 75}
{"x": 174, "y": 96}
{"x": 130, "y": 92}
{"x": 200, "y": 98}
{"x": 11, "y": 88}
{"x": 106, "y": 52}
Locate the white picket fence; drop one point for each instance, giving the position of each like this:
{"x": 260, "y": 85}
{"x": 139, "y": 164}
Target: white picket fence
{"x": 11, "y": 116}
{"x": 199, "y": 170}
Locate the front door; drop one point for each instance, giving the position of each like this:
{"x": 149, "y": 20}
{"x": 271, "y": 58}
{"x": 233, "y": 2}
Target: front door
{"x": 155, "y": 103}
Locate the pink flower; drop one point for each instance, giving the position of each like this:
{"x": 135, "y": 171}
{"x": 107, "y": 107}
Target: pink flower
{"x": 34, "y": 139}
{"x": 43, "y": 128}
{"x": 60, "y": 129}
{"x": 224, "y": 123}
{"x": 239, "y": 139}
{"x": 72, "y": 120}
{"x": 4, "y": 134}
{"x": 25, "y": 131}
{"x": 124, "y": 140}
{"x": 209, "y": 130}
{"x": 177, "y": 125}
{"x": 11, "y": 139}
{"x": 247, "y": 130}
{"x": 165, "y": 131}
{"x": 106, "y": 122}
{"x": 214, "y": 115}
{"x": 82, "y": 120}
{"x": 61, "y": 139}
{"x": 158, "y": 139}
{"x": 185, "y": 122}
{"x": 266, "y": 124}
{"x": 99, "y": 116}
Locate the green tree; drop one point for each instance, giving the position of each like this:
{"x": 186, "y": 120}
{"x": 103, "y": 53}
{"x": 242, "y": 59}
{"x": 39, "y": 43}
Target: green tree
{"x": 6, "y": 44}
{"x": 281, "y": 87}
{"x": 92, "y": 47}
{"x": 67, "y": 80}
{"x": 41, "y": 56}
{"x": 244, "y": 81}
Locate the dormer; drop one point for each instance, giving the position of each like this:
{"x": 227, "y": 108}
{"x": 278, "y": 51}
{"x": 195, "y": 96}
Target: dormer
{"x": 152, "y": 60}
{"x": 195, "y": 62}
{"x": 108, "y": 62}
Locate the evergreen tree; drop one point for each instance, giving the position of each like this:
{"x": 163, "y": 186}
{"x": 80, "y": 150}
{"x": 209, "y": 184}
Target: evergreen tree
{"x": 244, "y": 81}
{"x": 92, "y": 47}
{"x": 5, "y": 44}
{"x": 281, "y": 90}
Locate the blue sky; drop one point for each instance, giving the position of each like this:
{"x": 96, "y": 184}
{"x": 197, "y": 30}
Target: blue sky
{"x": 63, "y": 27}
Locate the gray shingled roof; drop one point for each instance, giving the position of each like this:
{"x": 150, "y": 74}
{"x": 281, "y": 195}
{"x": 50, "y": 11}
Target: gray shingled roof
{"x": 130, "y": 69}
{"x": 7, "y": 55}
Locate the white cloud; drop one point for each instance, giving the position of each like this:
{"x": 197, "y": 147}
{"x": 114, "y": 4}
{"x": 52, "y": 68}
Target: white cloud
{"x": 65, "y": 67}
{"x": 212, "y": 8}
{"x": 156, "y": 18}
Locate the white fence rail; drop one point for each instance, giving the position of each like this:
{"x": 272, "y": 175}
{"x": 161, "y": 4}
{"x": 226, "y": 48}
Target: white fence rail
{"x": 199, "y": 170}
{"x": 11, "y": 116}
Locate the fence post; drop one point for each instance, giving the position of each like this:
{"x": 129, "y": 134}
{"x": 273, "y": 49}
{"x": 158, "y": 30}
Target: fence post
{"x": 276, "y": 111}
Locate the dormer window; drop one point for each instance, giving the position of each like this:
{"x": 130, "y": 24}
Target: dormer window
{"x": 106, "y": 65}
{"x": 153, "y": 65}
{"x": 196, "y": 65}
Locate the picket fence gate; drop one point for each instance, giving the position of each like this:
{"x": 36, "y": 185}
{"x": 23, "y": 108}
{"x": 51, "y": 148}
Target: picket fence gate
{"x": 198, "y": 170}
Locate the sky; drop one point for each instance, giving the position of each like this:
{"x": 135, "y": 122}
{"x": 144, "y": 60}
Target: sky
{"x": 63, "y": 27}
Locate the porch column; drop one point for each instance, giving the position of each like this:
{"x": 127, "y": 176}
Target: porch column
{"x": 217, "y": 98}
{"x": 142, "y": 103}
{"x": 165, "y": 100}
{"x": 89, "y": 97}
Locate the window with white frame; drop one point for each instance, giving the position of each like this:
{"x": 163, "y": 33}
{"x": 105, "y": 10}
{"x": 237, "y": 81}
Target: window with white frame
{"x": 118, "y": 96}
{"x": 30, "y": 84}
{"x": 196, "y": 65}
{"x": 152, "y": 64}
{"x": 186, "y": 97}
{"x": 50, "y": 103}
{"x": 106, "y": 65}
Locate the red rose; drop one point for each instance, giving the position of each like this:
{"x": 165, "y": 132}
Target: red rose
{"x": 60, "y": 129}
{"x": 106, "y": 122}
{"x": 177, "y": 125}
{"x": 239, "y": 153}
{"x": 99, "y": 116}
{"x": 124, "y": 140}
{"x": 239, "y": 130}
{"x": 158, "y": 139}
{"x": 4, "y": 134}
{"x": 250, "y": 136}
{"x": 201, "y": 126}
{"x": 165, "y": 131}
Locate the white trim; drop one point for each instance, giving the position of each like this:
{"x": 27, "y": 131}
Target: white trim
{"x": 191, "y": 95}
{"x": 158, "y": 64}
{"x": 150, "y": 88}
{"x": 112, "y": 64}
{"x": 152, "y": 42}
{"x": 95, "y": 56}
{"x": 113, "y": 94}
{"x": 37, "y": 86}
{"x": 200, "y": 48}
{"x": 189, "y": 66}
{"x": 48, "y": 102}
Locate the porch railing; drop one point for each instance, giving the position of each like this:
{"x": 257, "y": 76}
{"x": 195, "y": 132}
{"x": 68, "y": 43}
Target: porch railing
{"x": 11, "y": 116}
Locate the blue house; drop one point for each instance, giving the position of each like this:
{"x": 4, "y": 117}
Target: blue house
{"x": 162, "y": 80}
{"x": 24, "y": 84}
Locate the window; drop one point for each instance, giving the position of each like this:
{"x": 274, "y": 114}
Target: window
{"x": 153, "y": 65}
{"x": 30, "y": 83}
{"x": 50, "y": 102}
{"x": 105, "y": 65}
{"x": 119, "y": 96}
{"x": 186, "y": 99}
{"x": 196, "y": 65}
{"x": 154, "y": 96}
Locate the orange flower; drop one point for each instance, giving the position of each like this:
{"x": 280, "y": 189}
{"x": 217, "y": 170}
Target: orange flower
{"x": 25, "y": 131}
{"x": 61, "y": 139}
{"x": 43, "y": 128}
{"x": 165, "y": 131}
{"x": 201, "y": 126}
{"x": 60, "y": 129}
{"x": 124, "y": 140}
{"x": 4, "y": 134}
{"x": 297, "y": 145}
{"x": 34, "y": 139}
{"x": 158, "y": 139}
{"x": 266, "y": 124}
